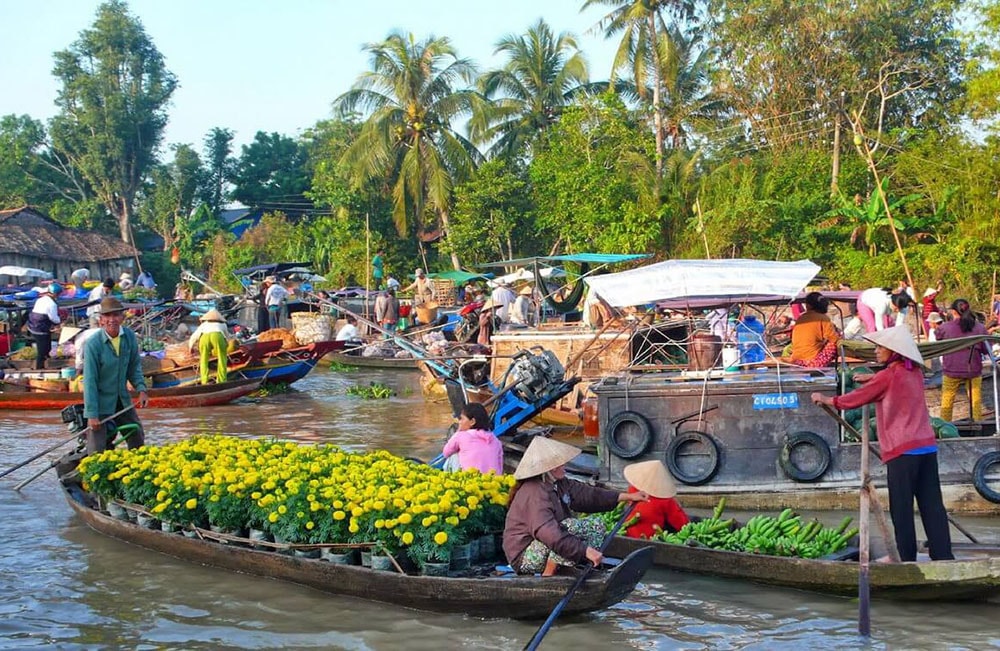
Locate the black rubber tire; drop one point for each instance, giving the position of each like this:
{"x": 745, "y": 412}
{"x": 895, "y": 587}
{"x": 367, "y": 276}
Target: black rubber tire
{"x": 979, "y": 476}
{"x": 794, "y": 440}
{"x": 640, "y": 428}
{"x": 705, "y": 474}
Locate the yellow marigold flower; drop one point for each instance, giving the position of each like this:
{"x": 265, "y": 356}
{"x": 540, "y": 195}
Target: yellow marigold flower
{"x": 191, "y": 503}
{"x": 310, "y": 525}
{"x": 452, "y": 520}
{"x": 282, "y": 509}
{"x": 405, "y": 518}
{"x": 407, "y": 538}
{"x": 440, "y": 537}
{"x": 272, "y": 516}
{"x": 354, "y": 528}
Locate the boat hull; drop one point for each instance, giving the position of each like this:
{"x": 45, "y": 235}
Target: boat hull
{"x": 514, "y": 597}
{"x": 280, "y": 366}
{"x": 180, "y": 397}
{"x": 401, "y": 363}
{"x": 972, "y": 577}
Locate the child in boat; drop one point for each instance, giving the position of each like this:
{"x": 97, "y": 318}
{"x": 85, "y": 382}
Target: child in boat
{"x": 662, "y": 511}
{"x": 909, "y": 448}
{"x": 474, "y": 442}
{"x": 540, "y": 533}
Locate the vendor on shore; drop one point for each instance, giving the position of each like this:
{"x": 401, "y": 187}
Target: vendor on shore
{"x": 541, "y": 532}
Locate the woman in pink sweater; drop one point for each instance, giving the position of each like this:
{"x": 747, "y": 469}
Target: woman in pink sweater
{"x": 909, "y": 448}
{"x": 474, "y": 442}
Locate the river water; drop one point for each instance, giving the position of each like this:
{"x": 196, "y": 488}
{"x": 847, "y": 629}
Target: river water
{"x": 65, "y": 586}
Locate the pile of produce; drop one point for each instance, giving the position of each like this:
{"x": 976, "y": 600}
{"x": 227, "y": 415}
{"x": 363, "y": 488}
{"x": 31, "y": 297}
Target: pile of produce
{"x": 286, "y": 337}
{"x": 784, "y": 535}
{"x": 374, "y": 391}
{"x": 304, "y": 494}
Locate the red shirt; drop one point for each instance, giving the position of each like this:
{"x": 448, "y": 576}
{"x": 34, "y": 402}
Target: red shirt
{"x": 663, "y": 512}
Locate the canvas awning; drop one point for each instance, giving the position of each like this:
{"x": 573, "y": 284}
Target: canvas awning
{"x": 23, "y": 272}
{"x": 589, "y": 258}
{"x": 459, "y": 277}
{"x": 734, "y": 279}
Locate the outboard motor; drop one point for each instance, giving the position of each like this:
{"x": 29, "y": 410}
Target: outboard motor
{"x": 533, "y": 374}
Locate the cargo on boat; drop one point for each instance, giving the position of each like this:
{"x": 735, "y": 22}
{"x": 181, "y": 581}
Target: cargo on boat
{"x": 17, "y": 396}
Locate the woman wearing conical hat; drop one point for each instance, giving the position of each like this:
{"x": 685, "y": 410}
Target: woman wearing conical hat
{"x": 909, "y": 448}
{"x": 662, "y": 512}
{"x": 212, "y": 338}
{"x": 540, "y": 532}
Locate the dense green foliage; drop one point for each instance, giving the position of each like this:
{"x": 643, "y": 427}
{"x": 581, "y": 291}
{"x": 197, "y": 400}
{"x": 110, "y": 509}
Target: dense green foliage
{"x": 728, "y": 128}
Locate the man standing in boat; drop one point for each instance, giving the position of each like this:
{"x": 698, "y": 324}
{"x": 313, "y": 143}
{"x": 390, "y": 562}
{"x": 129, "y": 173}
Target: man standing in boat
{"x": 110, "y": 360}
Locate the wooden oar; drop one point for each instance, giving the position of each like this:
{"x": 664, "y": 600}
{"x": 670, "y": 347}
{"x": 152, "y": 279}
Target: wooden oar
{"x": 55, "y": 462}
{"x": 536, "y": 639}
{"x": 850, "y": 428}
{"x": 864, "y": 589}
{"x": 59, "y": 445}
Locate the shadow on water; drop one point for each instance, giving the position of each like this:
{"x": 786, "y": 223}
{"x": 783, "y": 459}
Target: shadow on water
{"x": 65, "y": 586}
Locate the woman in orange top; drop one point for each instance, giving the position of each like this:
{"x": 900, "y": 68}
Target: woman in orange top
{"x": 662, "y": 511}
{"x": 814, "y": 338}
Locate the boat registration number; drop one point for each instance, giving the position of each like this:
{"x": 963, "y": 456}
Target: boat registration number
{"x": 775, "y": 401}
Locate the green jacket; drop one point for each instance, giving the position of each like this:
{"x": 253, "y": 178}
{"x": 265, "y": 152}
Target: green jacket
{"x": 104, "y": 373}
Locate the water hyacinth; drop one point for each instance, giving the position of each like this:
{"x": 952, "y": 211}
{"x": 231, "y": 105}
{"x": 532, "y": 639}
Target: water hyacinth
{"x": 303, "y": 493}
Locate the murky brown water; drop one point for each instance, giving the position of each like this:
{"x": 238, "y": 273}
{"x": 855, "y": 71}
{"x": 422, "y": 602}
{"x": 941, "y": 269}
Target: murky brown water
{"x": 65, "y": 586}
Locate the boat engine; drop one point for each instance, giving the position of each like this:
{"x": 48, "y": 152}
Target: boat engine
{"x": 535, "y": 374}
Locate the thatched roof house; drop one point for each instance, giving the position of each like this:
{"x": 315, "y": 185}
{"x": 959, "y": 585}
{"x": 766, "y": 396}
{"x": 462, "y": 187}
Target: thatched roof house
{"x": 30, "y": 238}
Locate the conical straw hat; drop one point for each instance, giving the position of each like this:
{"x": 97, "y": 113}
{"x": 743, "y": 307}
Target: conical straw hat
{"x": 652, "y": 477}
{"x": 212, "y": 315}
{"x": 898, "y": 340}
{"x": 544, "y": 454}
{"x": 67, "y": 333}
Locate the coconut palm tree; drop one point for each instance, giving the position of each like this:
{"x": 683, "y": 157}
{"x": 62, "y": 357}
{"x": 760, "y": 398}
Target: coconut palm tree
{"x": 686, "y": 97}
{"x": 411, "y": 97}
{"x": 542, "y": 73}
{"x": 639, "y": 22}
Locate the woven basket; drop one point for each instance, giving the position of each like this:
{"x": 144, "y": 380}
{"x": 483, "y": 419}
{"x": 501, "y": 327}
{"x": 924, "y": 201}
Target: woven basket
{"x": 427, "y": 312}
{"x": 310, "y": 327}
{"x": 444, "y": 292}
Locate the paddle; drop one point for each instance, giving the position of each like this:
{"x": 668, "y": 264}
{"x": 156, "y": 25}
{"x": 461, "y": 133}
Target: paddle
{"x": 850, "y": 428}
{"x": 55, "y": 462}
{"x": 864, "y": 589}
{"x": 59, "y": 445}
{"x": 536, "y": 639}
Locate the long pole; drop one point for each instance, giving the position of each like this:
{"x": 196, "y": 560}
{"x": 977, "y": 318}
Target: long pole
{"x": 536, "y": 639}
{"x": 864, "y": 591}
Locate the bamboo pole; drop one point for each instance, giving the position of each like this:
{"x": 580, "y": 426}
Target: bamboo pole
{"x": 864, "y": 591}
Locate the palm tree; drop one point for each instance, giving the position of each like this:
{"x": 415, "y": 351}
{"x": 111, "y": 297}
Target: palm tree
{"x": 407, "y": 140}
{"x": 542, "y": 73}
{"x": 640, "y": 22}
{"x": 687, "y": 100}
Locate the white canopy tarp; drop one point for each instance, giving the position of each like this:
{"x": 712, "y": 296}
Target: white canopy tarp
{"x": 523, "y": 275}
{"x": 23, "y": 272}
{"x": 737, "y": 278}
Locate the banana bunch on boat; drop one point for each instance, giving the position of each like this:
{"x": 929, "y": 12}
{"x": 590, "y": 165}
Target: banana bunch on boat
{"x": 610, "y": 518}
{"x": 784, "y": 535}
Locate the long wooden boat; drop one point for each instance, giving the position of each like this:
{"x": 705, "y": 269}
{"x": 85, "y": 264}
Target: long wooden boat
{"x": 180, "y": 397}
{"x": 487, "y": 596}
{"x": 273, "y": 366}
{"x": 974, "y": 575}
{"x": 348, "y": 359}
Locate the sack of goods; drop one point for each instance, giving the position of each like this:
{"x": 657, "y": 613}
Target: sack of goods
{"x": 286, "y": 337}
{"x": 310, "y": 327}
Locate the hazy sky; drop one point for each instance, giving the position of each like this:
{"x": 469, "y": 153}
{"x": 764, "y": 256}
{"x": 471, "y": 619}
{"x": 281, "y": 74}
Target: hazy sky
{"x": 252, "y": 65}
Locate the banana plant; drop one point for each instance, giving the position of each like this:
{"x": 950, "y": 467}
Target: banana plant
{"x": 869, "y": 217}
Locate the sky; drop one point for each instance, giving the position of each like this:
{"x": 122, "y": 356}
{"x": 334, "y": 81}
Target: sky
{"x": 256, "y": 65}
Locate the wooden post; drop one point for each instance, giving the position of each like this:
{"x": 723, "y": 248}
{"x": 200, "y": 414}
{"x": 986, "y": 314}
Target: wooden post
{"x": 864, "y": 604}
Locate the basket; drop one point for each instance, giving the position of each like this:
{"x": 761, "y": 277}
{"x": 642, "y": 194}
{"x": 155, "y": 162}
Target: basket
{"x": 444, "y": 292}
{"x": 311, "y": 327}
{"x": 427, "y": 312}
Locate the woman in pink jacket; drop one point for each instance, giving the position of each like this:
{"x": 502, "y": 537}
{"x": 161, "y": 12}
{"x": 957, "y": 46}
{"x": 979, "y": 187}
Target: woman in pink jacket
{"x": 909, "y": 448}
{"x": 474, "y": 442}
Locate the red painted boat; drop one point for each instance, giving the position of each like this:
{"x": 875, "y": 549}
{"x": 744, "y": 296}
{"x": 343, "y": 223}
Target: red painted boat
{"x": 17, "y": 396}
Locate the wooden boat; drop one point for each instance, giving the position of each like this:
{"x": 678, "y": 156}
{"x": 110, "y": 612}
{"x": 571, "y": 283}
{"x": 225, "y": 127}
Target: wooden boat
{"x": 16, "y": 396}
{"x": 974, "y": 575}
{"x": 273, "y": 366}
{"x": 483, "y": 596}
{"x": 349, "y": 359}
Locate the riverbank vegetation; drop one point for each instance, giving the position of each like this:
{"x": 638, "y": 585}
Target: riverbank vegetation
{"x": 730, "y": 128}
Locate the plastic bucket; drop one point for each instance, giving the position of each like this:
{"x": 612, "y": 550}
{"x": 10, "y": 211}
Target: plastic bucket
{"x": 591, "y": 427}
{"x": 68, "y": 373}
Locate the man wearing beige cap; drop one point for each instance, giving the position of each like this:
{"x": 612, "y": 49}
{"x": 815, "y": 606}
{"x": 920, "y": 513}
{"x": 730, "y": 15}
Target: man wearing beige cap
{"x": 540, "y": 532}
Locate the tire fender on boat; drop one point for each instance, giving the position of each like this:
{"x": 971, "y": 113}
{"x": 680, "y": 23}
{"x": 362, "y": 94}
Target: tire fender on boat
{"x": 809, "y": 439}
{"x": 638, "y": 429}
{"x": 697, "y": 439}
{"x": 979, "y": 476}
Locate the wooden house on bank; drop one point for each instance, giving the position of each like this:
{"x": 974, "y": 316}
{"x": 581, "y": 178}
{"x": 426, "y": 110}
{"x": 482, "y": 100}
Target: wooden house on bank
{"x": 30, "y": 238}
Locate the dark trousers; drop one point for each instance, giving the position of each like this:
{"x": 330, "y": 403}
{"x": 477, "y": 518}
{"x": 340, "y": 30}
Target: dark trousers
{"x": 43, "y": 346}
{"x": 101, "y": 438}
{"x": 912, "y": 476}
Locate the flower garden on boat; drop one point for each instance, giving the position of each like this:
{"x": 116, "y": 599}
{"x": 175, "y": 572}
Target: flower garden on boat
{"x": 304, "y": 494}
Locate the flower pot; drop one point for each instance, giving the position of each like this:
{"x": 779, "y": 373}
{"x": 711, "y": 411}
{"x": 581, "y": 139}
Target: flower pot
{"x": 169, "y": 527}
{"x": 147, "y": 521}
{"x": 366, "y": 558}
{"x": 191, "y": 533}
{"x": 487, "y": 548}
{"x": 340, "y": 557}
{"x": 117, "y": 511}
{"x": 260, "y": 534}
{"x": 131, "y": 514}
{"x": 474, "y": 551}
{"x": 384, "y": 563}
{"x": 461, "y": 556}
{"x": 306, "y": 553}
{"x": 435, "y": 569}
